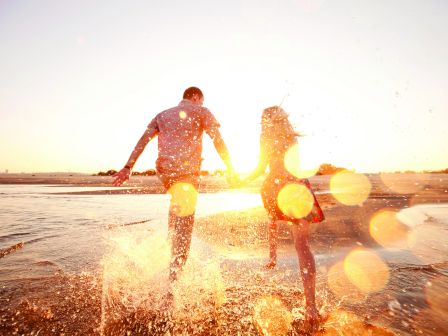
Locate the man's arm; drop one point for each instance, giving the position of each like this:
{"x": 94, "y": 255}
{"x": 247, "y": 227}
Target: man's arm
{"x": 223, "y": 152}
{"x": 123, "y": 175}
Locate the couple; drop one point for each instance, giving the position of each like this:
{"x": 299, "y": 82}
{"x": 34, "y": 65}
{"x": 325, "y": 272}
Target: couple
{"x": 179, "y": 130}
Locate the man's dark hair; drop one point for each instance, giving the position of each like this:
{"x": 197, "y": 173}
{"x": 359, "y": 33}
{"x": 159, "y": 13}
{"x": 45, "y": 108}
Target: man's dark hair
{"x": 191, "y": 91}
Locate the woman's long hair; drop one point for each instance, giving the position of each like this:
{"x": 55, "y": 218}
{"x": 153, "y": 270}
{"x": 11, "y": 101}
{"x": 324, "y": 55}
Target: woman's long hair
{"x": 277, "y": 132}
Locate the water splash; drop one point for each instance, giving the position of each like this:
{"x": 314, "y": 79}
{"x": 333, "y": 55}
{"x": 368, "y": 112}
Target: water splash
{"x": 137, "y": 296}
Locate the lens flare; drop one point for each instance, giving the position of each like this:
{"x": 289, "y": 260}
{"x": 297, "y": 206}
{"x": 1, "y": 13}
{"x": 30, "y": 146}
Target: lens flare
{"x": 350, "y": 188}
{"x": 183, "y": 199}
{"x": 403, "y": 184}
{"x": 387, "y": 230}
{"x": 366, "y": 270}
{"x": 297, "y": 167}
{"x": 271, "y": 317}
{"x": 295, "y": 200}
{"x": 342, "y": 287}
{"x": 182, "y": 114}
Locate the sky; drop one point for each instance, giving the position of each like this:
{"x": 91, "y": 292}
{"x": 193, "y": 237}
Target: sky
{"x": 366, "y": 82}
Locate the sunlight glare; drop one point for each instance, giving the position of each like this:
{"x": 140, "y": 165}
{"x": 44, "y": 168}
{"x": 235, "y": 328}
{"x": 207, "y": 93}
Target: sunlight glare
{"x": 387, "y": 230}
{"x": 295, "y": 200}
{"x": 296, "y": 166}
{"x": 132, "y": 267}
{"x": 182, "y": 114}
{"x": 184, "y": 197}
{"x": 350, "y": 188}
{"x": 342, "y": 287}
{"x": 366, "y": 270}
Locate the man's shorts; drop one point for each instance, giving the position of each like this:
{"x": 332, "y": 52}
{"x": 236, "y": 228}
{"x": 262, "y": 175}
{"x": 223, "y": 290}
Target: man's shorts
{"x": 184, "y": 193}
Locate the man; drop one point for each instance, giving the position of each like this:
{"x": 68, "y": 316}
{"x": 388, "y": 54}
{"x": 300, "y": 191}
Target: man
{"x": 180, "y": 130}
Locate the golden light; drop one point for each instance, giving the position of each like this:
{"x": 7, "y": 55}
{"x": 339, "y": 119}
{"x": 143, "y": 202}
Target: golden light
{"x": 200, "y": 289}
{"x": 271, "y": 317}
{"x": 366, "y": 270}
{"x": 341, "y": 286}
{"x": 387, "y": 230}
{"x": 341, "y": 322}
{"x": 350, "y": 188}
{"x": 182, "y": 114}
{"x": 183, "y": 199}
{"x": 133, "y": 266}
{"x": 403, "y": 184}
{"x": 296, "y": 166}
{"x": 295, "y": 200}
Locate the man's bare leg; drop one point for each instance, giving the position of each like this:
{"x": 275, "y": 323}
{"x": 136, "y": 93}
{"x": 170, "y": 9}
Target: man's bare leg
{"x": 181, "y": 232}
{"x": 273, "y": 244}
{"x": 307, "y": 271}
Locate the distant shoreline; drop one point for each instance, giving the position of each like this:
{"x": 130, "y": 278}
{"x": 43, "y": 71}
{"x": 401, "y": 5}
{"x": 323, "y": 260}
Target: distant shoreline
{"x": 438, "y": 183}
{"x": 135, "y": 185}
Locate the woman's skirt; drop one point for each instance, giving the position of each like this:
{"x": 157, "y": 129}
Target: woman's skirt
{"x": 286, "y": 197}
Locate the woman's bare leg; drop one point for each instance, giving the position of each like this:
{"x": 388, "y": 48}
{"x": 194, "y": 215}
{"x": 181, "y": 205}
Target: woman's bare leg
{"x": 273, "y": 244}
{"x": 307, "y": 271}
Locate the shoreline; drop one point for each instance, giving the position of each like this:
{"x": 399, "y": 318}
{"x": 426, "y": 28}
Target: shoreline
{"x": 437, "y": 183}
{"x": 135, "y": 185}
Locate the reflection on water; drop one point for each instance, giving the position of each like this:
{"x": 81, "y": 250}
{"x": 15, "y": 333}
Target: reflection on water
{"x": 66, "y": 232}
{"x": 98, "y": 265}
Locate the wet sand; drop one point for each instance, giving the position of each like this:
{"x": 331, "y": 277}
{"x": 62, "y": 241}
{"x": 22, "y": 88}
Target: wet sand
{"x": 135, "y": 185}
{"x": 251, "y": 300}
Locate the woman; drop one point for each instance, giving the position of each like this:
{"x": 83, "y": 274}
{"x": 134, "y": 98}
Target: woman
{"x": 287, "y": 197}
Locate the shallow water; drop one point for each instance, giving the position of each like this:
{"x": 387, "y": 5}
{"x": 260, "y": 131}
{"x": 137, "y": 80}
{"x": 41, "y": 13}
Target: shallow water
{"x": 67, "y": 232}
{"x": 96, "y": 264}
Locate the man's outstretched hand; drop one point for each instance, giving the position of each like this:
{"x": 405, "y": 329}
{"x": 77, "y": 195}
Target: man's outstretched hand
{"x": 121, "y": 177}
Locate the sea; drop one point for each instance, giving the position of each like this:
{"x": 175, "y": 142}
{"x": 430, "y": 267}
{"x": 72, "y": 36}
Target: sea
{"x": 73, "y": 264}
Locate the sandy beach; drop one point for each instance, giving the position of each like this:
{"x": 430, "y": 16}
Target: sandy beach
{"x": 136, "y": 184}
{"x": 232, "y": 293}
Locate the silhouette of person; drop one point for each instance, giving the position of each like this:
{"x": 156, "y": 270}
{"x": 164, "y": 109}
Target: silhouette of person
{"x": 180, "y": 131}
{"x": 285, "y": 197}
